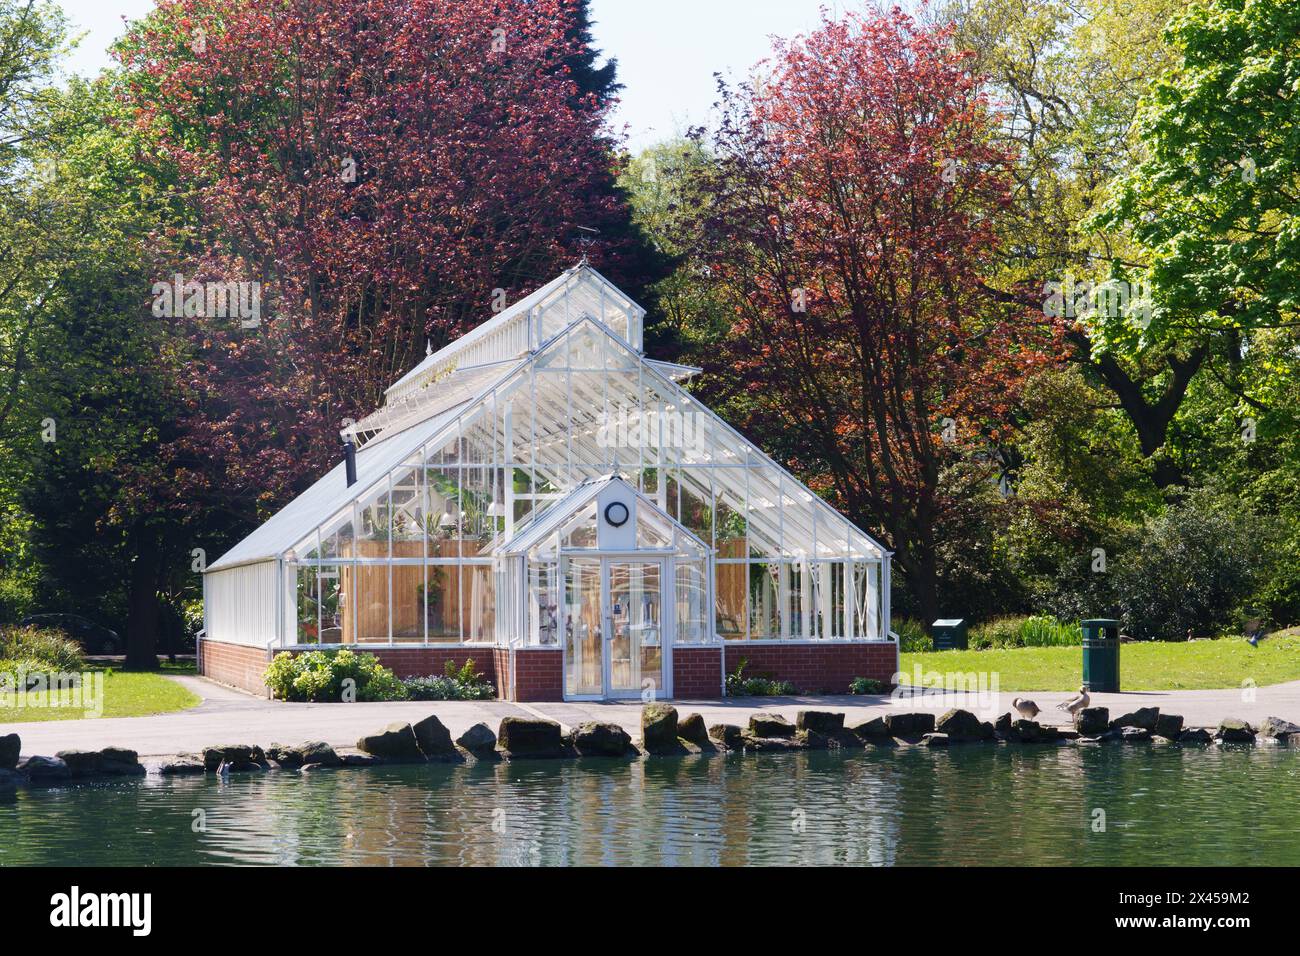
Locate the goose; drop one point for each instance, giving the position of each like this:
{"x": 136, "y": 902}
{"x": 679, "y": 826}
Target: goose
{"x": 1025, "y": 708}
{"x": 1075, "y": 704}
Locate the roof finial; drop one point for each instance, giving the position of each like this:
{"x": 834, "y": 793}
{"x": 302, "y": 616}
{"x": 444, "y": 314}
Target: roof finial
{"x": 428, "y": 347}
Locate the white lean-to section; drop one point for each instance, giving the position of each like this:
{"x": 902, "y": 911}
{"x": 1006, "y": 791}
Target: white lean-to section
{"x": 478, "y": 514}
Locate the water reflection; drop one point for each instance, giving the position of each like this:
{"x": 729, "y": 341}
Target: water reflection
{"x": 965, "y": 806}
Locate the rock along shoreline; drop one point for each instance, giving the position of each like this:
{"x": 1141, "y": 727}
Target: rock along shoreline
{"x": 663, "y": 734}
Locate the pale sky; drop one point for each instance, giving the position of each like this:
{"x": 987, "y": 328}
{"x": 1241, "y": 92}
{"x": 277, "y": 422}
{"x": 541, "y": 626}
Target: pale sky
{"x": 667, "y": 50}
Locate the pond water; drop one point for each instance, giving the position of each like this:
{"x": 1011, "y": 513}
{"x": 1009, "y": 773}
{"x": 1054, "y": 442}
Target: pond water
{"x": 972, "y": 805}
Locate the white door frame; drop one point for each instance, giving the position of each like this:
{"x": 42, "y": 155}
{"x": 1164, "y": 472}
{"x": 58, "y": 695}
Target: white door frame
{"x": 667, "y": 622}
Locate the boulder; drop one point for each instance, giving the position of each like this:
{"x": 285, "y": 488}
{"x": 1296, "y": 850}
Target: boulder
{"x": 182, "y": 765}
{"x": 239, "y": 756}
{"x": 986, "y": 731}
{"x": 1134, "y": 735}
{"x": 120, "y": 762}
{"x": 1027, "y": 732}
{"x": 395, "y": 742}
{"x": 433, "y": 738}
{"x": 873, "y": 729}
{"x": 10, "y": 747}
{"x": 1092, "y": 721}
{"x": 1277, "y": 727}
{"x": 755, "y": 744}
{"x": 359, "y": 760}
{"x": 286, "y": 757}
{"x": 910, "y": 726}
{"x": 812, "y": 740}
{"x": 44, "y": 769}
{"x": 959, "y": 726}
{"x": 1196, "y": 735}
{"x": 1144, "y": 717}
{"x": 1169, "y": 726}
{"x": 821, "y": 721}
{"x": 659, "y": 728}
{"x": 596, "y": 739}
{"x": 729, "y": 735}
{"x": 770, "y": 725}
{"x": 10, "y": 779}
{"x": 1233, "y": 730}
{"x": 935, "y": 740}
{"x": 479, "y": 740}
{"x": 530, "y": 737}
{"x": 1002, "y": 726}
{"x": 109, "y": 762}
{"x": 316, "y": 753}
{"x": 81, "y": 763}
{"x": 691, "y": 727}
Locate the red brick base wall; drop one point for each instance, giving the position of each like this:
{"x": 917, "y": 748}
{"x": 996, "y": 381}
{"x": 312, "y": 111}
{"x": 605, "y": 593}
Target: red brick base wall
{"x": 235, "y": 664}
{"x": 538, "y": 674}
{"x": 697, "y": 672}
{"x": 820, "y": 668}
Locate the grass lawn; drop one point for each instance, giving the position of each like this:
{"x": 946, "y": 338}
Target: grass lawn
{"x": 1183, "y": 665}
{"x": 126, "y": 694}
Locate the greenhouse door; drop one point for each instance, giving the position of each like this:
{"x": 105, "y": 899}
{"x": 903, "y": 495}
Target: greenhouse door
{"x": 614, "y": 636}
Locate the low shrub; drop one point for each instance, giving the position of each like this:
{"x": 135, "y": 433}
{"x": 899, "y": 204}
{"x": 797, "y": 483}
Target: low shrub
{"x": 758, "y": 685}
{"x": 463, "y": 683}
{"x": 866, "y": 685}
{"x": 40, "y": 649}
{"x": 323, "y": 676}
{"x": 1040, "y": 630}
{"x": 912, "y": 636}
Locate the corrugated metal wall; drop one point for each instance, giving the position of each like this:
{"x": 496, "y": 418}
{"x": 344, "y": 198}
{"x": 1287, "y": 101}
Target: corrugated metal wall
{"x": 240, "y": 604}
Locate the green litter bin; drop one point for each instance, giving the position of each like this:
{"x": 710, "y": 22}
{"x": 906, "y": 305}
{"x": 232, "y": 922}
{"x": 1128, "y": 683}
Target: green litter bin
{"x": 1101, "y": 655}
{"x": 949, "y": 634}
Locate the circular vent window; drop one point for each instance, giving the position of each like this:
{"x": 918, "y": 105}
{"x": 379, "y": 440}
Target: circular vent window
{"x": 616, "y": 514}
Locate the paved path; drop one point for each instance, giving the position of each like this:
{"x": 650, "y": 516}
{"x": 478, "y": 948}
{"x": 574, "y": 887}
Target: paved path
{"x": 231, "y": 716}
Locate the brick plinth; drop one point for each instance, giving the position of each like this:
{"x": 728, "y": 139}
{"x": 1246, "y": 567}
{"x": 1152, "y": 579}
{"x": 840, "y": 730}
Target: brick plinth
{"x": 538, "y": 674}
{"x": 817, "y": 667}
{"x": 237, "y": 665}
{"x": 697, "y": 672}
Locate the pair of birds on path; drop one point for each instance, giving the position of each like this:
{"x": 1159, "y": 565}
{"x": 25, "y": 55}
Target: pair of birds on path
{"x": 1029, "y": 710}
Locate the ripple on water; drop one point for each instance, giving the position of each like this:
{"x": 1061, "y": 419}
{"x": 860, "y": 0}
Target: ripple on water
{"x": 965, "y": 806}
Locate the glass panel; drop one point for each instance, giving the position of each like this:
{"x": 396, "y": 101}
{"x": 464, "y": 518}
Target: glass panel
{"x": 372, "y": 542}
{"x": 636, "y": 648}
{"x": 308, "y": 605}
{"x": 581, "y": 531}
{"x": 583, "y": 626}
{"x": 442, "y": 586}
{"x": 478, "y": 603}
{"x": 407, "y": 514}
{"x": 372, "y": 603}
{"x": 730, "y": 593}
{"x": 408, "y": 601}
{"x": 690, "y": 595}
{"x": 764, "y": 602}
{"x": 543, "y": 603}
{"x": 331, "y": 605}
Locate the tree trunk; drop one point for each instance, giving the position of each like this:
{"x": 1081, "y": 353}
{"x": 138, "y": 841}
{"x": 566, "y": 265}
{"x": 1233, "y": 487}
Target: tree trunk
{"x": 143, "y": 609}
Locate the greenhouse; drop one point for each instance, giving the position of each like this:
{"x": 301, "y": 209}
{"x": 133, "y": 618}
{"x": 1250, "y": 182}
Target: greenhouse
{"x": 543, "y": 498}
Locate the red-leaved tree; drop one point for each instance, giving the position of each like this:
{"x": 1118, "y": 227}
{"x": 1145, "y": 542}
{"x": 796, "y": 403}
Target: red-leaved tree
{"x": 850, "y": 228}
{"x": 380, "y": 169}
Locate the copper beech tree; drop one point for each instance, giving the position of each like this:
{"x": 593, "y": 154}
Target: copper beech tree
{"x": 850, "y": 226}
{"x": 388, "y": 172}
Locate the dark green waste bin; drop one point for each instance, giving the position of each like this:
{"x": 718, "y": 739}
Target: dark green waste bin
{"x": 949, "y": 634}
{"x": 1101, "y": 655}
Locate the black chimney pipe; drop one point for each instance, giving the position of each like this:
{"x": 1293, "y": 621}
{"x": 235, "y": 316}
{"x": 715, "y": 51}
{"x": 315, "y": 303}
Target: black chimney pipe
{"x": 350, "y": 461}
